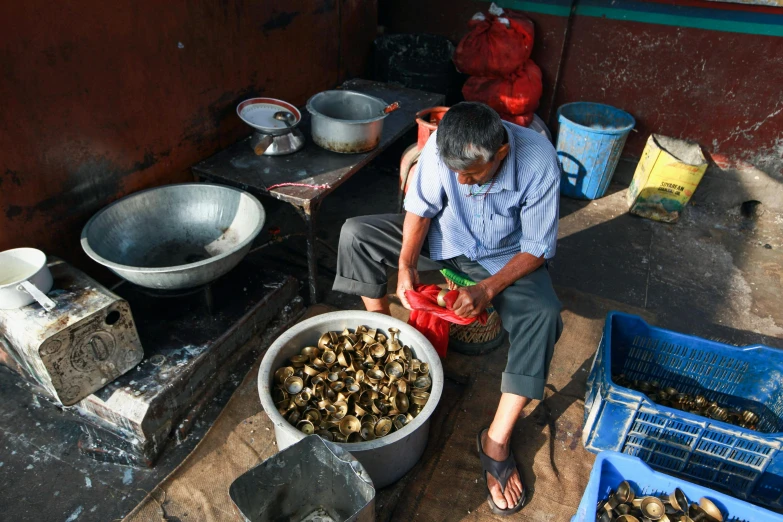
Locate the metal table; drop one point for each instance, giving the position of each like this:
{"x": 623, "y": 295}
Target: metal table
{"x": 240, "y": 167}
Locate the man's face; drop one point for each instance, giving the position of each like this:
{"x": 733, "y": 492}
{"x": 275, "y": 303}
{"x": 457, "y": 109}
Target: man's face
{"x": 480, "y": 172}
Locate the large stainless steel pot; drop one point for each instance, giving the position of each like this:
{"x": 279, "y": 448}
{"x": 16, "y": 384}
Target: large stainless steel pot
{"x": 174, "y": 236}
{"x": 346, "y": 121}
{"x": 24, "y": 278}
{"x": 388, "y": 458}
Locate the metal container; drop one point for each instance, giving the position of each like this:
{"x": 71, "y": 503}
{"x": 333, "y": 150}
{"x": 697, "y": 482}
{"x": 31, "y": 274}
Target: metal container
{"x": 77, "y": 348}
{"x": 24, "y": 279}
{"x": 309, "y": 481}
{"x": 346, "y": 121}
{"x": 273, "y": 137}
{"x": 174, "y": 236}
{"x": 388, "y": 458}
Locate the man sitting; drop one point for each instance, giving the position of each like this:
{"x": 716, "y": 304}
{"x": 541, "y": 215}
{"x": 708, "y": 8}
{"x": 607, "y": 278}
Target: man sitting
{"x": 484, "y": 202}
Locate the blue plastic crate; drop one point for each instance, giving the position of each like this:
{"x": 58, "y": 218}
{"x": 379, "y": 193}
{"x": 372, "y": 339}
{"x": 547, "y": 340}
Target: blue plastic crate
{"x": 748, "y": 464}
{"x": 611, "y": 468}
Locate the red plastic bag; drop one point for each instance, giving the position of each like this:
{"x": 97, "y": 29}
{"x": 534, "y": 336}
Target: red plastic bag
{"x": 435, "y": 329}
{"x": 431, "y": 319}
{"x": 495, "y": 45}
{"x": 515, "y": 95}
{"x": 523, "y": 120}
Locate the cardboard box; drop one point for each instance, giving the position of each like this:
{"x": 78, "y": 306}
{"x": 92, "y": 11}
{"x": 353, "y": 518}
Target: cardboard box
{"x": 665, "y": 178}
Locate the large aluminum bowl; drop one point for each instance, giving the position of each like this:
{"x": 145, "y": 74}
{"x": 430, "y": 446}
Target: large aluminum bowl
{"x": 175, "y": 236}
{"x": 386, "y": 459}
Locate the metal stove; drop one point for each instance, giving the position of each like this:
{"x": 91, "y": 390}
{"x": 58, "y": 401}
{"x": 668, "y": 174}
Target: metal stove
{"x": 192, "y": 340}
{"x": 86, "y": 341}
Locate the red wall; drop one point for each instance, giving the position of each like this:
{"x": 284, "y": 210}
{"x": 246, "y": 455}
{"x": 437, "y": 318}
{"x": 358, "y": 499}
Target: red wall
{"x": 721, "y": 89}
{"x": 101, "y": 100}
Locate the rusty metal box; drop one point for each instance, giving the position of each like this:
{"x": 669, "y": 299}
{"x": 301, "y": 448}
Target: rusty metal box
{"x": 86, "y": 342}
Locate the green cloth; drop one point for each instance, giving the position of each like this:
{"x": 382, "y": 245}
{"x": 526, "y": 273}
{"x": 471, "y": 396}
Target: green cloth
{"x": 457, "y": 278}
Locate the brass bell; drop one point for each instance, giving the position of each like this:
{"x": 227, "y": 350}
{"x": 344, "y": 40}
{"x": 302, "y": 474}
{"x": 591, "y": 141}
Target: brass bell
{"x": 297, "y": 361}
{"x": 374, "y": 375}
{"x": 393, "y": 371}
{"x": 652, "y": 508}
{"x": 678, "y": 500}
{"x": 367, "y": 431}
{"x": 306, "y": 427}
{"x": 625, "y": 493}
{"x": 349, "y": 424}
{"x": 710, "y": 509}
{"x": 329, "y": 358}
{"x": 419, "y": 397}
{"x": 401, "y": 403}
{"x": 377, "y": 351}
{"x": 345, "y": 359}
{"x": 422, "y": 383}
{"x": 383, "y": 427}
{"x": 325, "y": 434}
{"x": 327, "y": 341}
{"x": 283, "y": 373}
{"x": 313, "y": 415}
{"x": 311, "y": 352}
{"x": 342, "y": 410}
{"x": 278, "y": 395}
{"x": 293, "y": 385}
{"x": 748, "y": 417}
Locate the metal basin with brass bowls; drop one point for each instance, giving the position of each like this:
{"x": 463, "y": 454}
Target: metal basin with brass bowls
{"x": 363, "y": 410}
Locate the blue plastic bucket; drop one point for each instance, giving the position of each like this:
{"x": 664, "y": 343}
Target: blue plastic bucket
{"x": 589, "y": 142}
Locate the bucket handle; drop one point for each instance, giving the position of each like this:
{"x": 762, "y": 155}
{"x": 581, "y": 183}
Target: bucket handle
{"x": 45, "y": 302}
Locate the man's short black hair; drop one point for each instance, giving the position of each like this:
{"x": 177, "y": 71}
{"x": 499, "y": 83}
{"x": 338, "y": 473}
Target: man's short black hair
{"x": 469, "y": 132}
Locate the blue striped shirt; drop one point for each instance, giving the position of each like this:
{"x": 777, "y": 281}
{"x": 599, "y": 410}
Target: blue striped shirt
{"x": 518, "y": 214}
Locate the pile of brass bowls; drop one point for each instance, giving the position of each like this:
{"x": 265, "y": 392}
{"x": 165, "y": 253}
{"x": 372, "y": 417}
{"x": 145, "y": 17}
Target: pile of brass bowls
{"x": 623, "y": 505}
{"x": 353, "y": 386}
{"x": 699, "y": 405}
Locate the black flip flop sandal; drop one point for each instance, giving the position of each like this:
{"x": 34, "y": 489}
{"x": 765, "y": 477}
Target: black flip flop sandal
{"x": 502, "y": 471}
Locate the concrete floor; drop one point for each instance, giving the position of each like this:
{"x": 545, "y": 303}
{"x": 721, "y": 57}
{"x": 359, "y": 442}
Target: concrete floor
{"x": 716, "y": 273}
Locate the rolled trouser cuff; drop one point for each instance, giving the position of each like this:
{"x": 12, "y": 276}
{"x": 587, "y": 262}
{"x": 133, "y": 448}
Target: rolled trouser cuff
{"x": 522, "y": 385}
{"x": 353, "y": 287}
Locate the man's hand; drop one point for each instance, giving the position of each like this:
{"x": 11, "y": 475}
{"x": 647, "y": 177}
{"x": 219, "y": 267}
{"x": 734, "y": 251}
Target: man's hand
{"x": 472, "y": 300}
{"x": 406, "y": 278}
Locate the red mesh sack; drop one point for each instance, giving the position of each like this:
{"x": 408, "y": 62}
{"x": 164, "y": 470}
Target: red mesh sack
{"x": 431, "y": 319}
{"x": 515, "y": 95}
{"x": 495, "y": 45}
{"x": 523, "y": 120}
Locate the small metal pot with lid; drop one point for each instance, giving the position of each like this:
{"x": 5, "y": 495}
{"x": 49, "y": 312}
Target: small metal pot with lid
{"x": 347, "y": 122}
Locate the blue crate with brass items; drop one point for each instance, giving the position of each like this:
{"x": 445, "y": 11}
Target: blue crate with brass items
{"x": 612, "y": 468}
{"x": 747, "y": 463}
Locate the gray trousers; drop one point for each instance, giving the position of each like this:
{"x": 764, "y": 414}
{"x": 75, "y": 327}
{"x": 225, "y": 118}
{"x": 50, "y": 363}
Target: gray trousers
{"x": 529, "y": 308}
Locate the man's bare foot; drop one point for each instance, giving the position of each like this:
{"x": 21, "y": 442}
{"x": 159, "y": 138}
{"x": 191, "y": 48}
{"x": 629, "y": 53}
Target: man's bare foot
{"x": 514, "y": 486}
